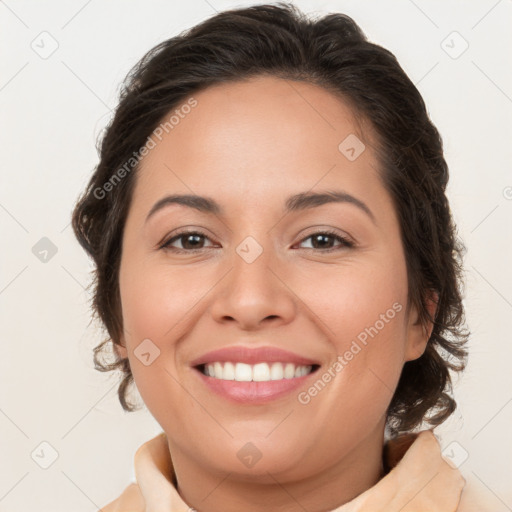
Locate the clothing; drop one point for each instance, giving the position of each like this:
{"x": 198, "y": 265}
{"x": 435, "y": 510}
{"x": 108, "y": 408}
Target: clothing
{"x": 418, "y": 479}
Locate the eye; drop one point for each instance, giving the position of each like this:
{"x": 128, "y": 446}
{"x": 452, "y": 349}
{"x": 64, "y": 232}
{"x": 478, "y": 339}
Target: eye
{"x": 321, "y": 239}
{"x": 190, "y": 241}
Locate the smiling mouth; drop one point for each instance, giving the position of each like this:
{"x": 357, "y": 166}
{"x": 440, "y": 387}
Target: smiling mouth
{"x": 259, "y": 372}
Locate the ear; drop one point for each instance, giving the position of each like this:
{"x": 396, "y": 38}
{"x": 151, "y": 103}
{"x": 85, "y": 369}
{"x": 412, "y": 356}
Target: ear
{"x": 121, "y": 351}
{"x": 418, "y": 334}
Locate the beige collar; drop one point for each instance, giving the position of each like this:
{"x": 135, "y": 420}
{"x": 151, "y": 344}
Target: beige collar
{"x": 418, "y": 479}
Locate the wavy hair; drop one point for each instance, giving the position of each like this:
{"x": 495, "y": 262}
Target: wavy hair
{"x": 331, "y": 52}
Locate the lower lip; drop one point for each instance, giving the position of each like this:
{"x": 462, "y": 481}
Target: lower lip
{"x": 252, "y": 392}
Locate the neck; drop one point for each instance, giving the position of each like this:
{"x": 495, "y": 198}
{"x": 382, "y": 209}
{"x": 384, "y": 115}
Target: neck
{"x": 204, "y": 489}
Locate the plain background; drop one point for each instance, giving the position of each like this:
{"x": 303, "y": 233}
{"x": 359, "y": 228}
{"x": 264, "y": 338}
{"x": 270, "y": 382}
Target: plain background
{"x": 53, "y": 108}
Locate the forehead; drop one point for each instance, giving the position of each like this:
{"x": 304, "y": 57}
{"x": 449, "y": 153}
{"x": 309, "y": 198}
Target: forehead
{"x": 257, "y": 138}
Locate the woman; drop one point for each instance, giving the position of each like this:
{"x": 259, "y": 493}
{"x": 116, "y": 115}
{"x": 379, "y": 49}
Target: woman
{"x": 278, "y": 271}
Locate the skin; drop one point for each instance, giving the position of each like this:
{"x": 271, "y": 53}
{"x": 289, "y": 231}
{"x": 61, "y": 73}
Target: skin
{"x": 249, "y": 145}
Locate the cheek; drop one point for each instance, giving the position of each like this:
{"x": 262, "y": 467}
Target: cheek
{"x": 154, "y": 307}
{"x": 155, "y": 300}
{"x": 364, "y": 310}
{"x": 362, "y": 303}
{"x": 160, "y": 304}
{"x": 365, "y": 314}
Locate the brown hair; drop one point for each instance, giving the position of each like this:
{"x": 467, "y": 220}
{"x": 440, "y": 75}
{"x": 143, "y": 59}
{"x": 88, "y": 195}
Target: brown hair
{"x": 331, "y": 52}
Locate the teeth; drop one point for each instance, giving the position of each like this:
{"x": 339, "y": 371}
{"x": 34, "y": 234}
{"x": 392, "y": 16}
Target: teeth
{"x": 243, "y": 372}
{"x": 228, "y": 372}
{"x": 260, "y": 372}
{"x": 276, "y": 371}
{"x": 217, "y": 371}
{"x": 289, "y": 371}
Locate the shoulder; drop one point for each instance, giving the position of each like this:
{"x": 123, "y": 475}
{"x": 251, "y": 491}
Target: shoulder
{"x": 130, "y": 500}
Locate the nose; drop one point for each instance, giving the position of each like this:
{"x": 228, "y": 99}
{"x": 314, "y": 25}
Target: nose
{"x": 255, "y": 294}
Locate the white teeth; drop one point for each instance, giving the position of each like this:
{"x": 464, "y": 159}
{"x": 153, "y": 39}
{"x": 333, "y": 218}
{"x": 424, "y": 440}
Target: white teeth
{"x": 217, "y": 370}
{"x": 243, "y": 372}
{"x": 260, "y": 372}
{"x": 289, "y": 371}
{"x": 300, "y": 371}
{"x": 276, "y": 372}
{"x": 229, "y": 371}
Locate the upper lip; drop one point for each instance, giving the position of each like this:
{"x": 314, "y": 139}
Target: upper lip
{"x": 252, "y": 356}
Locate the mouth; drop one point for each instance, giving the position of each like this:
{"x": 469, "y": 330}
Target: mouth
{"x": 260, "y": 372}
{"x": 253, "y": 375}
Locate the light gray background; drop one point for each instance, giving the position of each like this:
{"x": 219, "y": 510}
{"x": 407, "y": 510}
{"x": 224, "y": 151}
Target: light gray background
{"x": 52, "y": 109}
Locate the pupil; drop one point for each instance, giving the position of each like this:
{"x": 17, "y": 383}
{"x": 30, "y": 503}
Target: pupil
{"x": 321, "y": 237}
{"x": 188, "y": 237}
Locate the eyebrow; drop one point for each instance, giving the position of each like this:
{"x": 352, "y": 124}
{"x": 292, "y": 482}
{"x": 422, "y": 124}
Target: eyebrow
{"x": 297, "y": 202}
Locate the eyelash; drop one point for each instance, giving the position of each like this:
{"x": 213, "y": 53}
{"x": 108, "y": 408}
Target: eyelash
{"x": 344, "y": 241}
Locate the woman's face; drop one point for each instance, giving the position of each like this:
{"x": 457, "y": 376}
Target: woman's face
{"x": 258, "y": 274}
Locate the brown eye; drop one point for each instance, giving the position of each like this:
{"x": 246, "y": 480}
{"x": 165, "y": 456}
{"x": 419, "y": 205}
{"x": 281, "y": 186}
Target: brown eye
{"x": 190, "y": 241}
{"x": 321, "y": 242}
